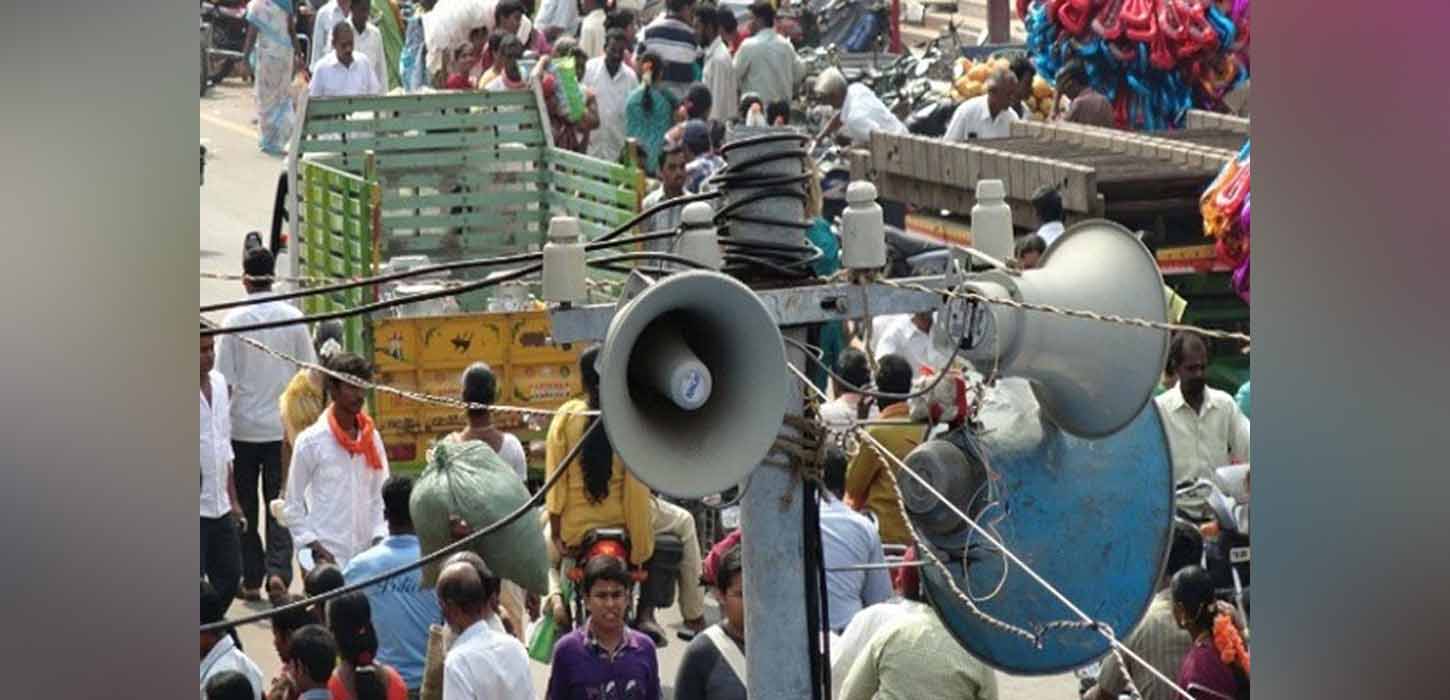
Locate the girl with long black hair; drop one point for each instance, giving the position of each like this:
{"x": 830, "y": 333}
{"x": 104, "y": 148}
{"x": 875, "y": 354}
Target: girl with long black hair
{"x": 359, "y": 676}
{"x": 595, "y": 491}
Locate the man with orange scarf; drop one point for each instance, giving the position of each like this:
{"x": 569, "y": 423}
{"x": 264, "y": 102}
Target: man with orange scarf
{"x": 335, "y": 484}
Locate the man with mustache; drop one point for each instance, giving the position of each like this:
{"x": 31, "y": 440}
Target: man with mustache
{"x": 1205, "y": 428}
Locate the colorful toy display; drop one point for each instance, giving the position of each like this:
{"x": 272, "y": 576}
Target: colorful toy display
{"x": 1154, "y": 59}
{"x": 1225, "y": 208}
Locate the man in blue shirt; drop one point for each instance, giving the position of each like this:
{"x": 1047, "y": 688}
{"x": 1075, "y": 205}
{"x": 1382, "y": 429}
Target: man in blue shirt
{"x": 848, "y": 539}
{"x": 402, "y": 609}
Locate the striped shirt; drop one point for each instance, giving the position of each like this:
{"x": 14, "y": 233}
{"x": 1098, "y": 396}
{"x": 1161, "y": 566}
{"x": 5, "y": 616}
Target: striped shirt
{"x": 1160, "y": 642}
{"x": 675, "y": 43}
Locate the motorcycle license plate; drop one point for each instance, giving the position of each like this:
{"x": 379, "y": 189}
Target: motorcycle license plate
{"x": 1238, "y": 555}
{"x": 730, "y": 518}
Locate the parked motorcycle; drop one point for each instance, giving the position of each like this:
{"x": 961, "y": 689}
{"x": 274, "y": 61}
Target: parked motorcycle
{"x": 1225, "y": 525}
{"x": 226, "y": 21}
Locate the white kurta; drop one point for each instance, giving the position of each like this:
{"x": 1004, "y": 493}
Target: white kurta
{"x": 611, "y": 93}
{"x": 719, "y": 76}
{"x": 370, "y": 43}
{"x": 334, "y": 497}
{"x": 973, "y": 120}
{"x": 332, "y": 79}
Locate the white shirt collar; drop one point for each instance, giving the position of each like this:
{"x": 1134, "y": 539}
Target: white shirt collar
{"x": 224, "y": 646}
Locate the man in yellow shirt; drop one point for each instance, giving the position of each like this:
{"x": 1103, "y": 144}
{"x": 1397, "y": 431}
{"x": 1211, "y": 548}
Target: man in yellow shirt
{"x": 869, "y": 477}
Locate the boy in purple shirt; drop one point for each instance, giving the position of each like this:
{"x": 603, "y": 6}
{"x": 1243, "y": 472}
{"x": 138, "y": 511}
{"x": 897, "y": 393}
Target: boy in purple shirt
{"x": 604, "y": 660}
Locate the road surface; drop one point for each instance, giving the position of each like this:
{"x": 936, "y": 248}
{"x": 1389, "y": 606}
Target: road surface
{"x": 237, "y": 198}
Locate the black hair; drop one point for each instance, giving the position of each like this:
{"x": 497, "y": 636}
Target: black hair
{"x": 606, "y": 568}
{"x": 213, "y": 607}
{"x": 314, "y": 649}
{"x": 1031, "y": 243}
{"x": 350, "y": 619}
{"x": 229, "y": 685}
{"x": 764, "y": 14}
{"x": 728, "y": 21}
{"x": 708, "y": 15}
{"x": 1193, "y": 589}
{"x": 322, "y": 578}
{"x": 779, "y": 108}
{"x": 893, "y": 375}
{"x": 1185, "y": 549}
{"x": 1179, "y": 345}
{"x": 1047, "y": 203}
{"x": 292, "y": 619}
{"x": 506, "y": 8}
{"x": 619, "y": 19}
{"x": 479, "y": 386}
{"x": 258, "y": 262}
{"x": 331, "y": 329}
{"x": 396, "y": 492}
{"x": 1022, "y": 67}
{"x": 746, "y": 101}
{"x": 700, "y": 100}
{"x": 854, "y": 367}
{"x": 467, "y": 592}
{"x": 657, "y": 67}
{"x": 349, "y": 363}
{"x": 717, "y": 133}
{"x": 614, "y": 34}
{"x": 729, "y": 568}
{"x": 345, "y": 24}
{"x": 596, "y": 457}
{"x": 507, "y": 40}
{"x": 677, "y": 6}
{"x": 833, "y": 471}
{"x": 670, "y": 149}
{"x": 495, "y": 38}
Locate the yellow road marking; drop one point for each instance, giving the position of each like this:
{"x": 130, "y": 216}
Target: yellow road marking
{"x": 229, "y": 125}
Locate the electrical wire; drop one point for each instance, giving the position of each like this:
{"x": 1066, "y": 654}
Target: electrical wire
{"x": 609, "y": 260}
{"x": 445, "y": 551}
{"x": 426, "y": 270}
{"x": 852, "y": 388}
{"x": 380, "y": 305}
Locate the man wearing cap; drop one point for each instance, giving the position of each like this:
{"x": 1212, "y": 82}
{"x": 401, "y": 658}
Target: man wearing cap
{"x": 700, "y": 155}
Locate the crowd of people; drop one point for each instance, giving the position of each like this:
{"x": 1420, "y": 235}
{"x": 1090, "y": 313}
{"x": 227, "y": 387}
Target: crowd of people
{"x": 305, "y": 438}
{"x": 294, "y": 472}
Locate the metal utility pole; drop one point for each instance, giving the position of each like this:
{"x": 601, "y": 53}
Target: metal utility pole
{"x": 773, "y": 550}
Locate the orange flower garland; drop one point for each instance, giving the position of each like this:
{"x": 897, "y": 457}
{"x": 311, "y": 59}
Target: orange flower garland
{"x": 1229, "y": 644}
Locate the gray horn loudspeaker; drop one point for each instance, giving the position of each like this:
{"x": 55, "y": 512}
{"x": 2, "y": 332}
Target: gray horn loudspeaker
{"x": 1091, "y": 377}
{"x": 691, "y": 383}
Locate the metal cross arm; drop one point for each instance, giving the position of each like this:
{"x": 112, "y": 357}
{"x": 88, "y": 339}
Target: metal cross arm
{"x": 792, "y": 306}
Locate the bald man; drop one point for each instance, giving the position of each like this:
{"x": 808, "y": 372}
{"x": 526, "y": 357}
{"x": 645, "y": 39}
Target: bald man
{"x": 483, "y": 663}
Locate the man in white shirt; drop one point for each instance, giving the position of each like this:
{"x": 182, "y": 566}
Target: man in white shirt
{"x": 910, "y": 337}
{"x": 767, "y": 63}
{"x": 1205, "y": 427}
{"x": 323, "y": 23}
{"x": 369, "y": 41}
{"x": 343, "y": 73}
{"x": 257, "y": 381}
{"x": 858, "y": 110}
{"x": 612, "y": 82}
{"x": 334, "y": 491}
{"x": 592, "y": 29}
{"x": 219, "y": 652}
{"x": 221, "y": 556}
{"x": 988, "y": 116}
{"x": 483, "y": 663}
{"x": 1048, "y": 205}
{"x": 719, "y": 68}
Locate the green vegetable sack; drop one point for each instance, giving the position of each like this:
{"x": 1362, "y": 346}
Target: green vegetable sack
{"x": 470, "y": 480}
